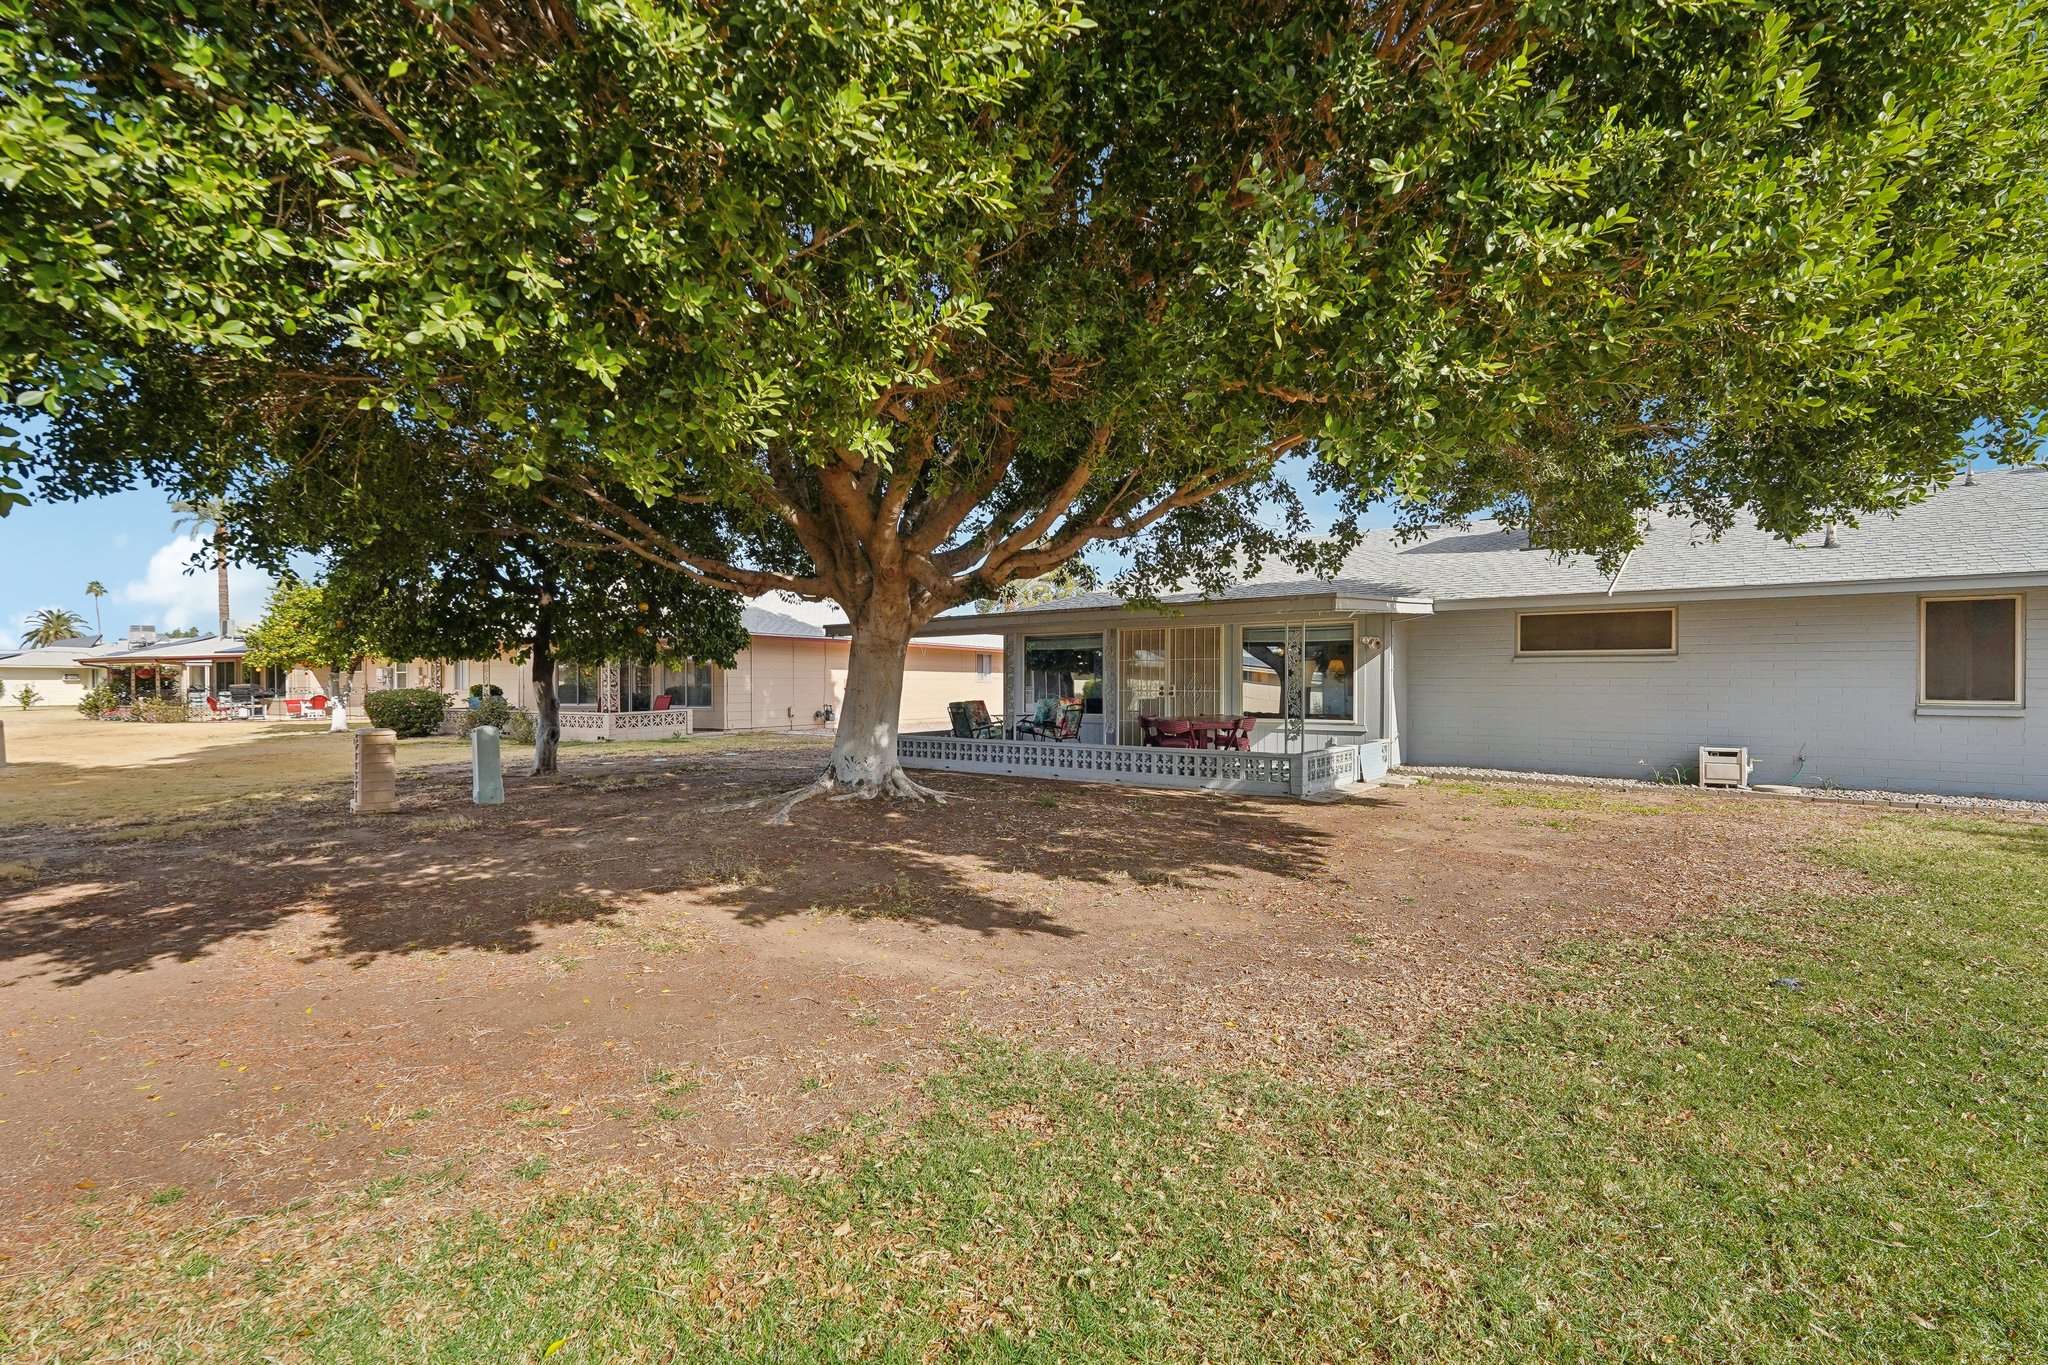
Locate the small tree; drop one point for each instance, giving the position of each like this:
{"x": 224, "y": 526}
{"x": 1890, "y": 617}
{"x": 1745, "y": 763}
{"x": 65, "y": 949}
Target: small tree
{"x": 28, "y": 697}
{"x": 302, "y": 628}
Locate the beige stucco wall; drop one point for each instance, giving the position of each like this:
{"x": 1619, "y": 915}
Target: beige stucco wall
{"x": 49, "y": 683}
{"x": 779, "y": 684}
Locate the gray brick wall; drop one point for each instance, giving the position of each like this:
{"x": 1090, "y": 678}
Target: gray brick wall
{"x": 1821, "y": 689}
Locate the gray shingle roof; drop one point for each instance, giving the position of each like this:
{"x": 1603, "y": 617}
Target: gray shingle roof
{"x": 1996, "y": 528}
{"x": 204, "y": 647}
{"x": 761, "y": 621}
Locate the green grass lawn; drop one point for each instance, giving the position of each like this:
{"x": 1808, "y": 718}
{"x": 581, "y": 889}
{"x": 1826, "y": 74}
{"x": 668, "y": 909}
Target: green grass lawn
{"x": 1662, "y": 1156}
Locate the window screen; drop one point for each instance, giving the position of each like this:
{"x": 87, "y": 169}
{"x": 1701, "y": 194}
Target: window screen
{"x": 1970, "y": 650}
{"x": 1598, "y": 632}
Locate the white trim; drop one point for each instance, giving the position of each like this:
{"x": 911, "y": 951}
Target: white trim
{"x": 1953, "y": 706}
{"x": 1546, "y": 655}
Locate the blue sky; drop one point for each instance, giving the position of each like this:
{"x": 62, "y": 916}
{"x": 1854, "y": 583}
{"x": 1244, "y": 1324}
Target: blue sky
{"x": 50, "y": 551}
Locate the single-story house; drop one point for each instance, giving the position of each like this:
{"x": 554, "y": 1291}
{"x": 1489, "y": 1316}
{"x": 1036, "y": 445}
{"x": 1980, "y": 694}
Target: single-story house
{"x": 1893, "y": 655}
{"x": 176, "y": 667}
{"x": 57, "y": 672}
{"x": 791, "y": 676}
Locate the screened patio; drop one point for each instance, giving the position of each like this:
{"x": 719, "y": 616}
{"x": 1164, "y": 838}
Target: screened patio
{"x": 1285, "y": 695}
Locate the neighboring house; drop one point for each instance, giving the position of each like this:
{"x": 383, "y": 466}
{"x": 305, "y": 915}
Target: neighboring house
{"x": 146, "y": 664}
{"x": 1896, "y": 657}
{"x": 57, "y": 672}
{"x": 791, "y": 676}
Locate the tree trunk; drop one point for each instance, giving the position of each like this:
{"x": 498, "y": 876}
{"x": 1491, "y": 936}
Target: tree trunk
{"x": 864, "y": 752}
{"x": 547, "y": 725}
{"x": 220, "y": 568}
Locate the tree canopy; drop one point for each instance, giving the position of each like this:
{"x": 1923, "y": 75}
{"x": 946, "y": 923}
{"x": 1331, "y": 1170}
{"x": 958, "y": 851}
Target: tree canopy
{"x": 919, "y": 301}
{"x": 302, "y": 628}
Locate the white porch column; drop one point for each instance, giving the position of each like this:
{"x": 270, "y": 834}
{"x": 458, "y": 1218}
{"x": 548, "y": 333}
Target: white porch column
{"x": 607, "y": 696}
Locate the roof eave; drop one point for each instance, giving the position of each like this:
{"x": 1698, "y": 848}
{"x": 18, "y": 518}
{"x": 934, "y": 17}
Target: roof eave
{"x": 1921, "y": 583}
{"x": 1220, "y": 608}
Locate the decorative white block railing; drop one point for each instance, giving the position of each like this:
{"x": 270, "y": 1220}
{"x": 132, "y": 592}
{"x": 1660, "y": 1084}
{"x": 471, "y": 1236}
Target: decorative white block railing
{"x": 585, "y": 726}
{"x": 1304, "y": 774}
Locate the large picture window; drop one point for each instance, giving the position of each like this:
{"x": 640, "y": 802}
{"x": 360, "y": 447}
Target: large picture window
{"x": 1329, "y": 659}
{"x": 576, "y": 684}
{"x": 690, "y": 685}
{"x": 1064, "y": 668}
{"x": 1653, "y": 631}
{"x": 1970, "y": 650}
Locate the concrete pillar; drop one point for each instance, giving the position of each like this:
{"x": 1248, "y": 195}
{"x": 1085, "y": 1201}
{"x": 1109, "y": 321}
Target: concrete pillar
{"x": 3, "y": 743}
{"x": 376, "y": 790}
{"x": 486, "y": 773}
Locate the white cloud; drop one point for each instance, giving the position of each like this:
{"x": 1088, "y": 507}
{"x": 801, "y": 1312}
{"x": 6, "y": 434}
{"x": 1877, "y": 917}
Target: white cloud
{"x": 170, "y": 597}
{"x": 817, "y": 613}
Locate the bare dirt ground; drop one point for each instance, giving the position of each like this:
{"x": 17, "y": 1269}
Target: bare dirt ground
{"x": 285, "y": 1002}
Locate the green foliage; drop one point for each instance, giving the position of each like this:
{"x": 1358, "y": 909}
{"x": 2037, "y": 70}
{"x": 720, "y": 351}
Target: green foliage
{"x": 301, "y": 628}
{"x": 27, "y": 697}
{"x": 51, "y": 624}
{"x": 411, "y": 711}
{"x": 97, "y": 701}
{"x": 988, "y": 285}
{"x": 479, "y": 689}
{"x": 518, "y": 727}
{"x": 493, "y": 710}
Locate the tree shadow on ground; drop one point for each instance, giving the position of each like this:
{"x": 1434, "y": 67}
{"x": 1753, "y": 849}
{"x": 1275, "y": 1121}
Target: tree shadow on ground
{"x": 609, "y": 838}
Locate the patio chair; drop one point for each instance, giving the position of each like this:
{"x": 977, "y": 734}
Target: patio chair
{"x": 317, "y": 705}
{"x": 213, "y": 711}
{"x": 294, "y": 709}
{"x": 663, "y": 702}
{"x": 1176, "y": 734}
{"x": 1238, "y": 737}
{"x": 966, "y": 724}
{"x": 1059, "y": 721}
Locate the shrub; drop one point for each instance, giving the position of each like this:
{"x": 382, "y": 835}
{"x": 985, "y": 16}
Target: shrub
{"x": 159, "y": 711}
{"x": 479, "y": 689}
{"x": 28, "y": 697}
{"x": 96, "y": 702}
{"x": 518, "y": 728}
{"x": 490, "y": 711}
{"x": 411, "y": 711}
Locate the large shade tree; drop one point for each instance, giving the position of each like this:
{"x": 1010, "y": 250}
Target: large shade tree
{"x": 944, "y": 297}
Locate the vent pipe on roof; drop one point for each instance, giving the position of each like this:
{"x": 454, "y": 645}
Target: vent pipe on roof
{"x": 1828, "y": 541}
{"x": 1969, "y": 476}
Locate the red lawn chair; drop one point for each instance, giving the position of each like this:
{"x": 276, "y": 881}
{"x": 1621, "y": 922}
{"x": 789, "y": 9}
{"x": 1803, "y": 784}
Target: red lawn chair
{"x": 663, "y": 702}
{"x": 1176, "y": 734}
{"x": 294, "y": 709}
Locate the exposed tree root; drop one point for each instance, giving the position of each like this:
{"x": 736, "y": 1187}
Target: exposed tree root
{"x": 897, "y": 786}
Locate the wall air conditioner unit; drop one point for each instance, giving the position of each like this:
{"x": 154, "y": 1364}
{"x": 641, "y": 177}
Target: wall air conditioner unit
{"x": 1726, "y": 768}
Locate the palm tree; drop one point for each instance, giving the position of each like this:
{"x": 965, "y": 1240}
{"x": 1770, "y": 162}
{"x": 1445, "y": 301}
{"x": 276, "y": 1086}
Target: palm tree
{"x": 50, "y": 625}
{"x": 208, "y": 518}
{"x": 96, "y": 590}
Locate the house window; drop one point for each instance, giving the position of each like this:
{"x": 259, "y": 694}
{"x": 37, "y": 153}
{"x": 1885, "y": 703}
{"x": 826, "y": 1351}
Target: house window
{"x": 984, "y": 665}
{"x": 393, "y": 677}
{"x": 690, "y": 685}
{"x": 1970, "y": 650}
{"x": 1329, "y": 658}
{"x": 1064, "y": 668}
{"x": 74, "y": 677}
{"x": 1653, "y": 631}
{"x": 575, "y": 684}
